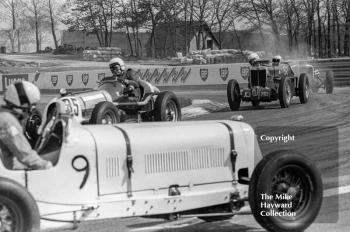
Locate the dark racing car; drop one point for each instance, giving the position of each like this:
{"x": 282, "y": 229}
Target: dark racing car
{"x": 268, "y": 83}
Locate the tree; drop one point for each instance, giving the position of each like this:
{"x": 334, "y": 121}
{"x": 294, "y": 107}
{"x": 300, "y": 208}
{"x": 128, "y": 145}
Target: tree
{"x": 347, "y": 29}
{"x": 292, "y": 21}
{"x": 134, "y": 15}
{"x": 37, "y": 19}
{"x": 53, "y": 22}
{"x": 10, "y": 11}
{"x": 310, "y": 10}
{"x": 204, "y": 14}
{"x": 96, "y": 16}
{"x": 223, "y": 10}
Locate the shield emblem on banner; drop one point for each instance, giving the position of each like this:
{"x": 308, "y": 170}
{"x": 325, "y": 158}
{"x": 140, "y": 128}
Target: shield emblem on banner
{"x": 204, "y": 73}
{"x": 54, "y": 80}
{"x": 224, "y": 73}
{"x": 85, "y": 78}
{"x": 245, "y": 72}
{"x": 69, "y": 79}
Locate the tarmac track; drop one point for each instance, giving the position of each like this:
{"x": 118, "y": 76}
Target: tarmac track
{"x": 311, "y": 121}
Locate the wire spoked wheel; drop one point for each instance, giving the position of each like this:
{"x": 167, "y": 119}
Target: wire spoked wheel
{"x": 171, "y": 112}
{"x": 10, "y": 217}
{"x": 167, "y": 108}
{"x": 109, "y": 118}
{"x": 105, "y": 113}
{"x": 285, "y": 92}
{"x": 291, "y": 188}
{"x": 285, "y": 192}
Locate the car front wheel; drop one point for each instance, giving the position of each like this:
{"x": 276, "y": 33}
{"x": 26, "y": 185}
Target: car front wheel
{"x": 167, "y": 107}
{"x": 233, "y": 95}
{"x": 105, "y": 113}
{"x": 285, "y": 92}
{"x": 18, "y": 210}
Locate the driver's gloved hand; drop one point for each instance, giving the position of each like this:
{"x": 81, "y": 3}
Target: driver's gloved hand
{"x": 48, "y": 165}
{"x": 129, "y": 89}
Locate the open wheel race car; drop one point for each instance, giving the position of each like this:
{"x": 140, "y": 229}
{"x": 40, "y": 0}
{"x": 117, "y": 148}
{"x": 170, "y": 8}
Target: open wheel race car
{"x": 318, "y": 79}
{"x": 159, "y": 170}
{"x": 268, "y": 83}
{"x": 112, "y": 103}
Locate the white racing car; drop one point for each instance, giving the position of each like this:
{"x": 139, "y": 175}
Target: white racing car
{"x": 158, "y": 169}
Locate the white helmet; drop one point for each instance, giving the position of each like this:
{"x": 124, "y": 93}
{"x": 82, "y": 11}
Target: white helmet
{"x": 253, "y": 57}
{"x": 22, "y": 94}
{"x": 113, "y": 63}
{"x": 276, "y": 59}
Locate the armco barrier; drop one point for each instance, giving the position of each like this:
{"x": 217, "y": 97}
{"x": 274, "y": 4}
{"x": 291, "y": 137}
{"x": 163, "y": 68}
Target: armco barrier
{"x": 169, "y": 76}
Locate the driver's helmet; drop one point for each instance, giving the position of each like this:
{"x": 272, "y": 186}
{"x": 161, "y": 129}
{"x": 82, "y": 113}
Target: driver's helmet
{"x": 276, "y": 60}
{"x": 22, "y": 95}
{"x": 117, "y": 66}
{"x": 252, "y": 58}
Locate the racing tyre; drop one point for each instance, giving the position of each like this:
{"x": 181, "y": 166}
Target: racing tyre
{"x": 233, "y": 95}
{"x": 167, "y": 107}
{"x": 285, "y": 92}
{"x": 105, "y": 113}
{"x": 290, "y": 180}
{"x": 304, "y": 88}
{"x": 32, "y": 123}
{"x": 18, "y": 210}
{"x": 329, "y": 82}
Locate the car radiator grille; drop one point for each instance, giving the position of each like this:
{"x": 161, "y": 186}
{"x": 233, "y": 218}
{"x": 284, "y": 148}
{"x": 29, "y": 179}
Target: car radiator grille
{"x": 258, "y": 78}
{"x": 185, "y": 160}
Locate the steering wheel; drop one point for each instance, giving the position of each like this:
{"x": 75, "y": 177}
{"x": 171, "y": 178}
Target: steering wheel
{"x": 48, "y": 133}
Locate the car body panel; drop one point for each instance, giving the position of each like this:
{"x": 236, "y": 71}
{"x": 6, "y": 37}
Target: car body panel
{"x": 91, "y": 179}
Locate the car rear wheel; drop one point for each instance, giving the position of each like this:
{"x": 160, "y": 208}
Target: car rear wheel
{"x": 105, "y": 113}
{"x": 233, "y": 95}
{"x": 329, "y": 82}
{"x": 18, "y": 210}
{"x": 285, "y": 92}
{"x": 304, "y": 88}
{"x": 292, "y": 185}
{"x": 167, "y": 107}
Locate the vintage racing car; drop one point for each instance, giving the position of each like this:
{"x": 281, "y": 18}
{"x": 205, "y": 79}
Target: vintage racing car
{"x": 318, "y": 79}
{"x": 268, "y": 83}
{"x": 109, "y": 104}
{"x": 159, "y": 170}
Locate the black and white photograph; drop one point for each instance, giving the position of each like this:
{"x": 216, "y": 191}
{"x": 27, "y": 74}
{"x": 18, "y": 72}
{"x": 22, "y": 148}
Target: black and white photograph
{"x": 174, "y": 115}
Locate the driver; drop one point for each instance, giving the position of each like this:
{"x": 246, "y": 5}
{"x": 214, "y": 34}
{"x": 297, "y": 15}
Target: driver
{"x": 252, "y": 58}
{"x": 15, "y": 150}
{"x": 126, "y": 77}
{"x": 276, "y": 60}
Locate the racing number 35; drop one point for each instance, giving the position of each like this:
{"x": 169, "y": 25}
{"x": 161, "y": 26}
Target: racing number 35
{"x": 73, "y": 104}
